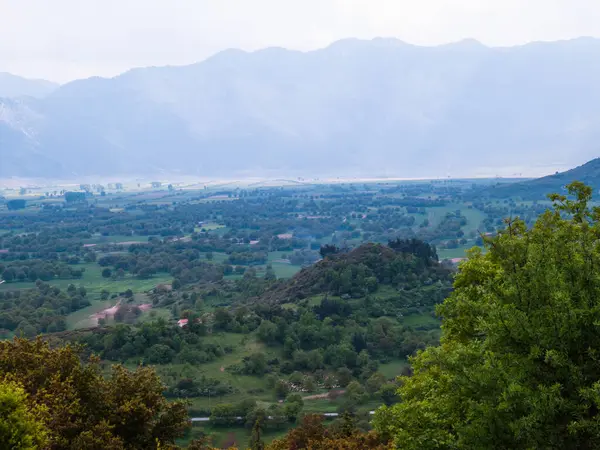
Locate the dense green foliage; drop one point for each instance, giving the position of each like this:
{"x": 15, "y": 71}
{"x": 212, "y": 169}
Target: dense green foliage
{"x": 312, "y": 434}
{"x": 80, "y": 408}
{"x": 21, "y": 427}
{"x": 39, "y": 310}
{"x": 517, "y": 365}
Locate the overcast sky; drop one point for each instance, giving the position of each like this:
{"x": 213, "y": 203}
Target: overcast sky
{"x": 61, "y": 40}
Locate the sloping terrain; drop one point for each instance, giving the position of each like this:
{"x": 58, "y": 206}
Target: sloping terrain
{"x": 538, "y": 189}
{"x": 13, "y": 86}
{"x": 359, "y": 272}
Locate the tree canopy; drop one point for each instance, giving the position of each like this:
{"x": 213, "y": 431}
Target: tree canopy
{"x": 21, "y": 428}
{"x": 77, "y": 406}
{"x": 518, "y": 363}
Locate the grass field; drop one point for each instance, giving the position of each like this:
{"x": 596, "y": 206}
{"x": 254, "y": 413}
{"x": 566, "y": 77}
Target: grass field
{"x": 208, "y": 227}
{"x": 392, "y": 369}
{"x": 474, "y": 218}
{"x": 274, "y": 256}
{"x": 285, "y": 270}
{"x": 81, "y": 318}
{"x": 282, "y": 269}
{"x": 98, "y": 239}
{"x": 245, "y": 386}
{"x": 154, "y": 314}
{"x": 449, "y": 253}
{"x": 416, "y": 320}
{"x": 219, "y": 258}
{"x": 94, "y": 283}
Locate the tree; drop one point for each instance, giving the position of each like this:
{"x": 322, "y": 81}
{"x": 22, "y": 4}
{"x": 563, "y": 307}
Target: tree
{"x": 281, "y": 389}
{"x": 160, "y": 354}
{"x": 16, "y": 204}
{"x": 270, "y": 273}
{"x": 224, "y": 414}
{"x": 356, "y": 392}
{"x": 388, "y": 393}
{"x": 145, "y": 273}
{"x": 293, "y": 406}
{"x": 256, "y": 442}
{"x": 328, "y": 250}
{"x": 375, "y": 382}
{"x": 74, "y": 197}
{"x": 311, "y": 434}
{"x": 255, "y": 364}
{"x": 517, "y": 364}
{"x": 8, "y": 275}
{"x": 81, "y": 409}
{"x": 21, "y": 427}
{"x": 344, "y": 376}
{"x": 267, "y": 332}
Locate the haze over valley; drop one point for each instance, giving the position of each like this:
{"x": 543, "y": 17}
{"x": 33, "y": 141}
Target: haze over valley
{"x": 378, "y": 107}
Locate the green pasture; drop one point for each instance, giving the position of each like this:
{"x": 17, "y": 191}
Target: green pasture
{"x": 93, "y": 281}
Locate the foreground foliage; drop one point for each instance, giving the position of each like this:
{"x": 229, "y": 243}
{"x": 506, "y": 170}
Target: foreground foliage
{"x": 518, "y": 365}
{"x": 20, "y": 427}
{"x": 79, "y": 408}
{"x": 311, "y": 434}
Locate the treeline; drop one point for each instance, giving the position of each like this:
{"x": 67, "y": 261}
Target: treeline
{"x": 33, "y": 270}
{"x": 39, "y": 310}
{"x": 144, "y": 261}
{"x": 155, "y": 342}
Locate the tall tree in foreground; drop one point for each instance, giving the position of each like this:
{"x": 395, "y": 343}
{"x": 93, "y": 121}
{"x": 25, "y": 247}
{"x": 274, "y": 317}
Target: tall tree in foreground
{"x": 79, "y": 408}
{"x": 519, "y": 361}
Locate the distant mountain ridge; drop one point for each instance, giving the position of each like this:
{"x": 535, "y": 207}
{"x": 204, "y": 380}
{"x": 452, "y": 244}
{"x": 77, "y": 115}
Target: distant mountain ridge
{"x": 13, "y": 86}
{"x": 538, "y": 189}
{"x": 379, "y": 107}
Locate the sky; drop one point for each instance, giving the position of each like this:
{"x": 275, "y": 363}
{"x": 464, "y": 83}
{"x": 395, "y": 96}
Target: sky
{"x": 62, "y": 40}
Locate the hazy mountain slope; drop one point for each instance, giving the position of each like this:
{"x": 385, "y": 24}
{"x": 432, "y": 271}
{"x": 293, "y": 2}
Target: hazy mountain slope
{"x": 12, "y": 86}
{"x": 373, "y": 107}
{"x": 588, "y": 173}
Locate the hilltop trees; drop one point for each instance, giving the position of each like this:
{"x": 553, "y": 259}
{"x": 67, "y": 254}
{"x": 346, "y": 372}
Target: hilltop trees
{"x": 518, "y": 364}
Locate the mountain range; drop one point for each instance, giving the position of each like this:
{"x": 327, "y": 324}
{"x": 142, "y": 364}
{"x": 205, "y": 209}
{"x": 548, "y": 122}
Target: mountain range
{"x": 539, "y": 188}
{"x": 12, "y": 86}
{"x": 376, "y": 107}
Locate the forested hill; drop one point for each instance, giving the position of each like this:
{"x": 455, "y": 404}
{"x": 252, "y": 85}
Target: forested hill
{"x": 408, "y": 266}
{"x": 588, "y": 173}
